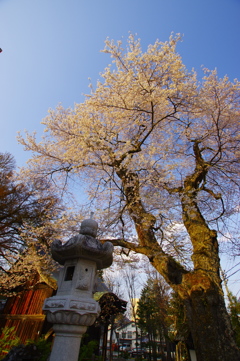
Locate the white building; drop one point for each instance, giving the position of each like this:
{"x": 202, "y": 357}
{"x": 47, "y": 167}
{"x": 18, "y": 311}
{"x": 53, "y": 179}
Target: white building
{"x": 125, "y": 336}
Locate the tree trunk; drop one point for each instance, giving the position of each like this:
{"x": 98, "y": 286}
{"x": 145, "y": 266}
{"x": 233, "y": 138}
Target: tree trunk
{"x": 200, "y": 289}
{"x": 154, "y": 348}
{"x": 206, "y": 312}
{"x": 104, "y": 345}
{"x": 210, "y": 326}
{"x": 182, "y": 352}
{"x": 161, "y": 342}
{"x": 110, "y": 341}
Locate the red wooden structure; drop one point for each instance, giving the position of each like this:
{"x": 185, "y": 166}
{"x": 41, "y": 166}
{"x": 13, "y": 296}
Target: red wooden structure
{"x": 24, "y": 311}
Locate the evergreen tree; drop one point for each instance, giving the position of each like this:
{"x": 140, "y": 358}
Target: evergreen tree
{"x": 179, "y": 331}
{"x": 152, "y": 313}
{"x": 234, "y": 310}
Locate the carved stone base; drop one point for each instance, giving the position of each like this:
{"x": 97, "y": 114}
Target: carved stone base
{"x": 71, "y": 318}
{"x": 80, "y": 305}
{"x": 71, "y": 311}
{"x": 67, "y": 342}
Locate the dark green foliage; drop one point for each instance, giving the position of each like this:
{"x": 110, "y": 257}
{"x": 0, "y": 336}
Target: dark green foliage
{"x": 152, "y": 306}
{"x": 180, "y": 332}
{"x": 147, "y": 311}
{"x": 43, "y": 347}
{"x": 234, "y": 310}
{"x": 125, "y": 355}
{"x": 177, "y": 319}
{"x": 87, "y": 351}
{"x": 152, "y": 314}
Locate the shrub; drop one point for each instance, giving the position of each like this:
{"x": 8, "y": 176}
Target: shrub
{"x": 8, "y": 340}
{"x": 43, "y": 347}
{"x": 86, "y": 351}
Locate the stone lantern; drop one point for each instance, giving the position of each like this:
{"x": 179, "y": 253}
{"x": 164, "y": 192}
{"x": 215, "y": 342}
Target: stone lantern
{"x": 73, "y": 308}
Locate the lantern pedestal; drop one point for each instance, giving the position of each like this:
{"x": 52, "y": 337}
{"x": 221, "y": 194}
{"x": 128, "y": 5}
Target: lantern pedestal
{"x": 73, "y": 308}
{"x": 67, "y": 342}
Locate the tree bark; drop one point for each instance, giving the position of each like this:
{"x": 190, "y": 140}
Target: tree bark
{"x": 104, "y": 345}
{"x": 182, "y": 352}
{"x": 209, "y": 323}
{"x": 111, "y": 337}
{"x": 200, "y": 289}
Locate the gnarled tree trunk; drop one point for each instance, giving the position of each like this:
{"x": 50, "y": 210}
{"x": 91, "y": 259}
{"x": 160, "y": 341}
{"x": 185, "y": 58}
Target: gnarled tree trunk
{"x": 200, "y": 289}
{"x": 209, "y": 323}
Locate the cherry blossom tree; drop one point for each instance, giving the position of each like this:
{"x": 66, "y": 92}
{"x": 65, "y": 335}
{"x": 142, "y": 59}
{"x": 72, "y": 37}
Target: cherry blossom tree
{"x": 157, "y": 150}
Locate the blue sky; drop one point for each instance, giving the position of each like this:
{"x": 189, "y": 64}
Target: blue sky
{"x": 51, "y": 48}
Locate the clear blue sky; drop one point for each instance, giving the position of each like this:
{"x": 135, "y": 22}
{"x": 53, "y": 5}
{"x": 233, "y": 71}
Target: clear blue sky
{"x": 51, "y": 48}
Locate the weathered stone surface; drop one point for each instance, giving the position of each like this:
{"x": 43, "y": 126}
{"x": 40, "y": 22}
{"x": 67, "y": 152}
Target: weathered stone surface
{"x": 73, "y": 308}
{"x": 85, "y": 247}
{"x": 71, "y": 318}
